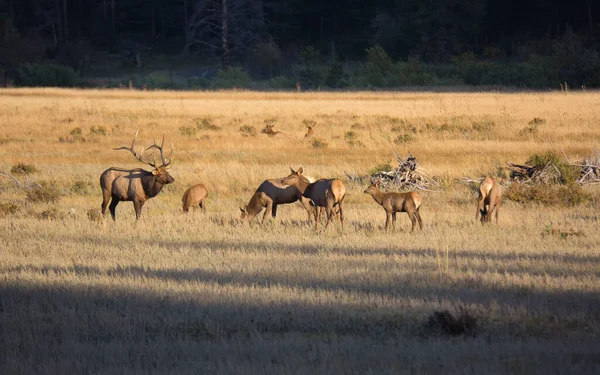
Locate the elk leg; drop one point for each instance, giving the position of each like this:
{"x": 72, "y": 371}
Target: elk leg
{"x": 497, "y": 211}
{"x": 413, "y": 220}
{"x": 137, "y": 205}
{"x": 105, "y": 200}
{"x": 203, "y": 206}
{"x": 317, "y": 214}
{"x": 387, "y": 220}
{"x": 274, "y": 210}
{"x": 418, "y": 216}
{"x": 341, "y": 212}
{"x": 113, "y": 207}
{"x": 394, "y": 221}
{"x": 268, "y": 211}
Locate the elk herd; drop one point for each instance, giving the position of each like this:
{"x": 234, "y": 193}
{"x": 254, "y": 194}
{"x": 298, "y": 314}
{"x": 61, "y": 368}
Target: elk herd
{"x": 318, "y": 197}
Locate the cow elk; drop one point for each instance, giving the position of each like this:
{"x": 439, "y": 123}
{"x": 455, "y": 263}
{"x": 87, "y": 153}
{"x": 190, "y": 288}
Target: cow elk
{"x": 324, "y": 194}
{"x": 488, "y": 202}
{"x": 269, "y": 195}
{"x": 310, "y": 126}
{"x": 268, "y": 130}
{"x": 195, "y": 196}
{"x": 397, "y": 202}
{"x": 136, "y": 185}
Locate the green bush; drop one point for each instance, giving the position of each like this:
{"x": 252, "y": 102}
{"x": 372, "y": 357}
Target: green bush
{"x": 46, "y": 75}
{"x": 282, "y": 82}
{"x": 165, "y": 79}
{"x": 383, "y": 167}
{"x": 233, "y": 78}
{"x": 569, "y": 173}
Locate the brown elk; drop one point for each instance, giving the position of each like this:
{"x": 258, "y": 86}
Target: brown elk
{"x": 268, "y": 130}
{"x": 324, "y": 194}
{"x": 269, "y": 195}
{"x": 310, "y": 126}
{"x": 397, "y": 202}
{"x": 488, "y": 202}
{"x": 137, "y": 185}
{"x": 195, "y": 196}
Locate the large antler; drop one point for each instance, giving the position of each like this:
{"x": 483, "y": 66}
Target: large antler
{"x": 160, "y": 149}
{"x": 132, "y": 150}
{"x": 141, "y": 154}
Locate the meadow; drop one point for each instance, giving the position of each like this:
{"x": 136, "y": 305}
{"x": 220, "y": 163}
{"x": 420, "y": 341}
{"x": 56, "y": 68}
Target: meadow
{"x": 193, "y": 293}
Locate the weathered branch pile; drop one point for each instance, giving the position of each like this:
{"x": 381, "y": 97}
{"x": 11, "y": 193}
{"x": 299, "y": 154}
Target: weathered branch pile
{"x": 406, "y": 177}
{"x": 590, "y": 169}
{"x": 531, "y": 174}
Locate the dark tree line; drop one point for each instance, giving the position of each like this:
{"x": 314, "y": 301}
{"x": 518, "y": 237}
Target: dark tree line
{"x": 230, "y": 31}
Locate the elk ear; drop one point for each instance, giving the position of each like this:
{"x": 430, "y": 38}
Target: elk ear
{"x": 155, "y": 172}
{"x": 376, "y": 184}
{"x": 293, "y": 171}
{"x": 300, "y": 170}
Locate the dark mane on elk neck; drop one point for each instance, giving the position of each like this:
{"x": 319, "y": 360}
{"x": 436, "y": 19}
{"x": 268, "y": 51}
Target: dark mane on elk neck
{"x": 135, "y": 185}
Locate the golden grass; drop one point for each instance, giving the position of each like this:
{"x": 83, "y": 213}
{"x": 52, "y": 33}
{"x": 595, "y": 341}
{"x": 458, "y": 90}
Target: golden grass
{"x": 193, "y": 293}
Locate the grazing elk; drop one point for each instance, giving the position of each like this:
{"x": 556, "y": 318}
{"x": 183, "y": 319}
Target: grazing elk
{"x": 137, "y": 185}
{"x": 268, "y": 130}
{"x": 270, "y": 194}
{"x": 397, "y": 202}
{"x": 324, "y": 193}
{"x": 195, "y": 196}
{"x": 490, "y": 194}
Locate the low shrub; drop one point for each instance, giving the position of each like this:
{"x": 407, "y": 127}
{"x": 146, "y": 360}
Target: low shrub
{"x": 403, "y": 138}
{"x": 318, "y": 143}
{"x": 23, "y": 169}
{"x": 9, "y": 208}
{"x": 206, "y": 123}
{"x": 547, "y": 194}
{"x": 98, "y": 130}
{"x": 43, "y": 193}
{"x": 187, "y": 131}
{"x": 248, "y": 131}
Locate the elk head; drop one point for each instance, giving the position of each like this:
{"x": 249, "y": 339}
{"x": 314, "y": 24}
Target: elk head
{"x": 310, "y": 125}
{"x": 293, "y": 178}
{"x": 160, "y": 171}
{"x": 372, "y": 188}
{"x": 268, "y": 130}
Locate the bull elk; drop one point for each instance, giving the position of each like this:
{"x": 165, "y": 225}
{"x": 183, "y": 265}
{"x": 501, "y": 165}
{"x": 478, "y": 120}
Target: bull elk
{"x": 488, "y": 202}
{"x": 195, "y": 196}
{"x": 324, "y": 194}
{"x": 397, "y": 202}
{"x": 269, "y": 195}
{"x": 136, "y": 185}
{"x": 310, "y": 126}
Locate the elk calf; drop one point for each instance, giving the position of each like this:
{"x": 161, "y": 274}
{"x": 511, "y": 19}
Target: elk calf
{"x": 397, "y": 202}
{"x": 490, "y": 194}
{"x": 135, "y": 185}
{"x": 195, "y": 196}
{"x": 323, "y": 193}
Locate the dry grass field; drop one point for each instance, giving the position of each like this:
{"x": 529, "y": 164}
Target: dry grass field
{"x": 177, "y": 293}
